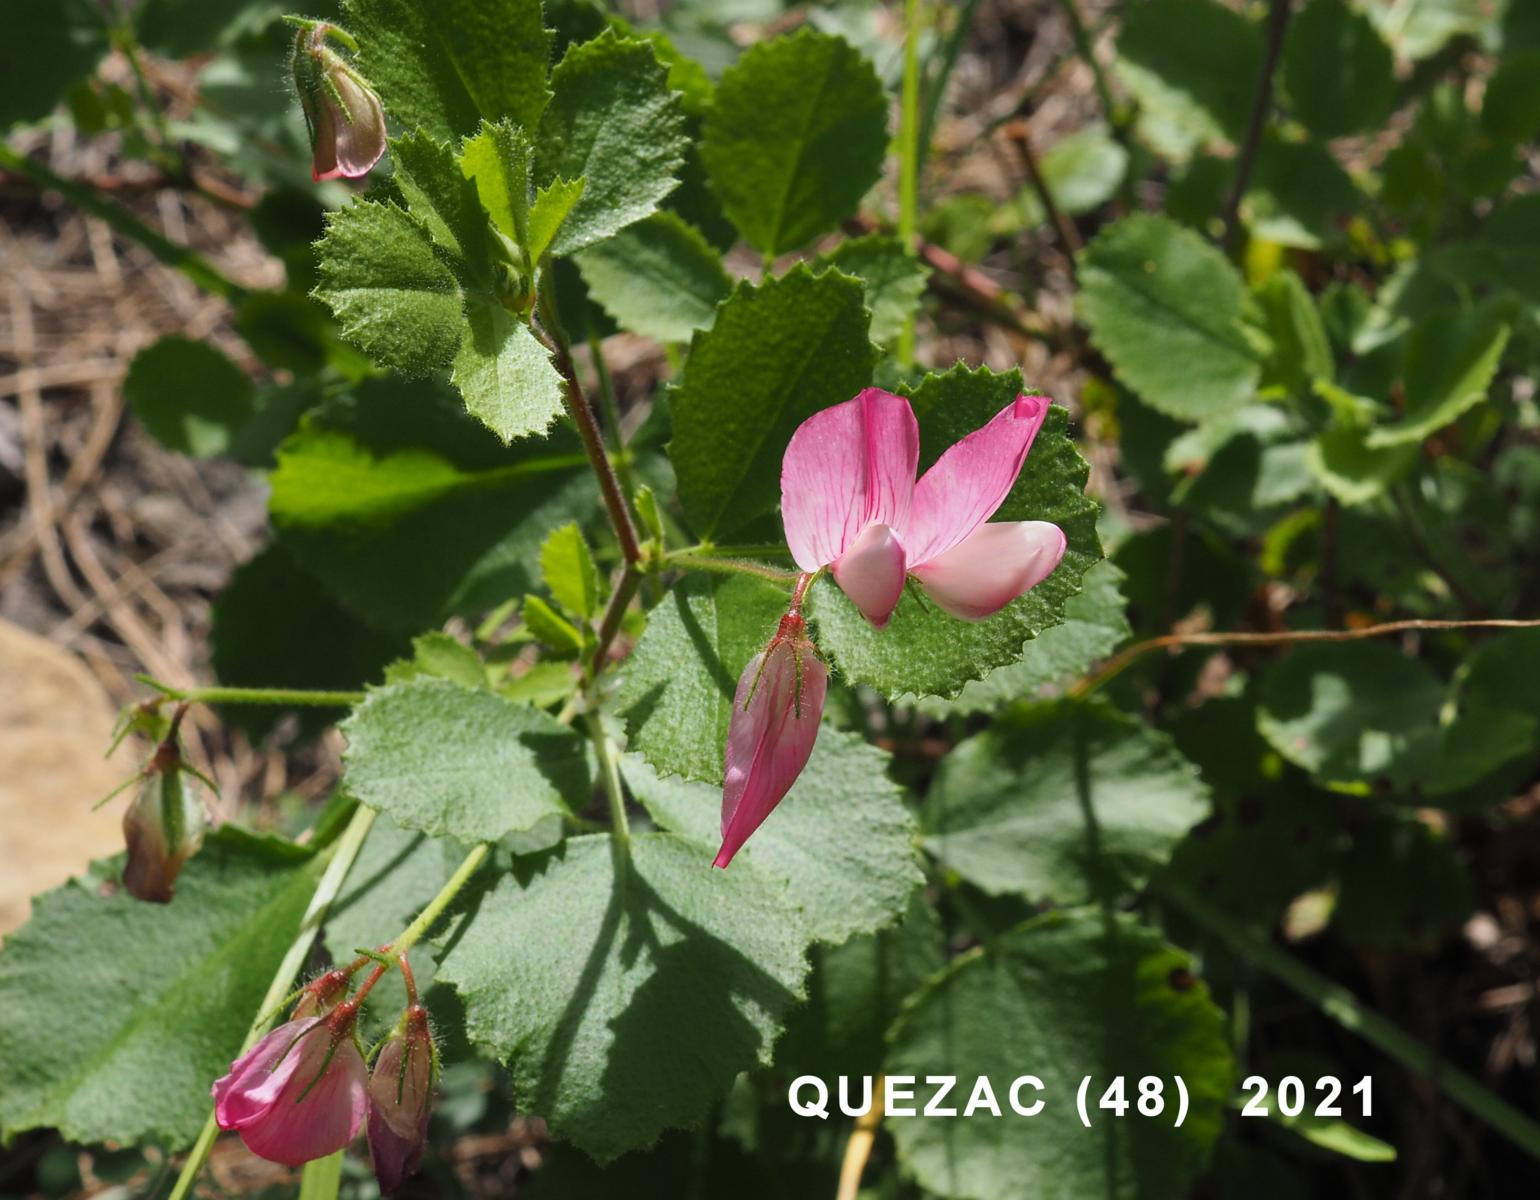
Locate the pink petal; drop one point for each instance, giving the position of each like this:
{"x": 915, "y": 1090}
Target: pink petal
{"x": 845, "y": 468}
{"x": 970, "y": 480}
{"x": 768, "y": 743}
{"x": 295, "y": 1130}
{"x": 361, "y": 139}
{"x": 991, "y": 567}
{"x": 871, "y": 573}
{"x": 258, "y": 1077}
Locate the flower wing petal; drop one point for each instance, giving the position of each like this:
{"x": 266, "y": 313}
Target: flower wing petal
{"x": 991, "y": 567}
{"x": 846, "y": 467}
{"x": 970, "y": 480}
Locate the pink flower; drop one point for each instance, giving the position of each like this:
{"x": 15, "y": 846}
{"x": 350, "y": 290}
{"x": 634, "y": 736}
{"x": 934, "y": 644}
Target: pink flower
{"x": 400, "y": 1097}
{"x": 346, "y": 120}
{"x": 299, "y": 1093}
{"x": 774, "y": 724}
{"x": 849, "y": 500}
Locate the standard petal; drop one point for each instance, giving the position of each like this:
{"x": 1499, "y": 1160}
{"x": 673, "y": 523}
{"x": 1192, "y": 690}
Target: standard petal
{"x": 329, "y": 1116}
{"x": 970, "y": 480}
{"x": 768, "y": 743}
{"x": 871, "y": 573}
{"x": 991, "y": 567}
{"x": 257, "y": 1078}
{"x": 845, "y": 468}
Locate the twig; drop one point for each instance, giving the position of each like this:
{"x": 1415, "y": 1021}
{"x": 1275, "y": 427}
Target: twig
{"x": 1277, "y": 25}
{"x": 1087, "y": 52}
{"x": 1016, "y": 133}
{"x": 1118, "y": 662}
{"x": 859, "y": 1148}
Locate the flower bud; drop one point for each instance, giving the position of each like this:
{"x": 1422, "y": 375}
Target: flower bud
{"x": 774, "y": 723}
{"x": 322, "y": 994}
{"x": 300, "y": 1093}
{"x": 400, "y": 1098}
{"x": 346, "y": 121}
{"x": 162, "y": 828}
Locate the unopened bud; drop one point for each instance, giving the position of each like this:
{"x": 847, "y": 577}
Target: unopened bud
{"x": 321, "y": 995}
{"x": 347, "y": 123}
{"x": 400, "y": 1098}
{"x": 163, "y": 828}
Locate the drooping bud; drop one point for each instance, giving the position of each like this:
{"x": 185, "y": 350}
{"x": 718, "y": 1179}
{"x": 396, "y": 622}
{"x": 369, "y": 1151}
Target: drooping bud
{"x": 400, "y": 1098}
{"x": 162, "y": 829}
{"x": 322, "y": 994}
{"x": 346, "y": 120}
{"x": 775, "y": 718}
{"x": 301, "y": 1092}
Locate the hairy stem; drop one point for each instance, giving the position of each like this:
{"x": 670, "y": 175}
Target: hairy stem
{"x": 287, "y": 697}
{"x": 728, "y": 566}
{"x": 413, "y": 933}
{"x": 909, "y": 156}
{"x": 1261, "y": 102}
{"x": 343, "y": 853}
{"x": 614, "y": 613}
{"x": 1181, "y": 641}
{"x": 1346, "y": 1010}
{"x": 609, "y": 769}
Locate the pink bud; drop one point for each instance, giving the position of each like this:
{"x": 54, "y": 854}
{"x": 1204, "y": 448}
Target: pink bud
{"x": 300, "y": 1093}
{"x": 322, "y": 994}
{"x": 774, "y": 724}
{"x": 346, "y": 120}
{"x": 162, "y": 829}
{"x": 400, "y": 1097}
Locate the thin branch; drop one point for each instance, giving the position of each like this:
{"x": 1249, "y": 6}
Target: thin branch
{"x": 1277, "y": 26}
{"x": 1087, "y": 51}
{"x": 1119, "y": 662}
{"x": 1016, "y": 133}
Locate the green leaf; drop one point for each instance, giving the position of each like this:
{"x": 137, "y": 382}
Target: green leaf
{"x": 553, "y": 204}
{"x": 1301, "y": 351}
{"x": 1451, "y": 358}
{"x": 393, "y": 294}
{"x": 1299, "y": 195}
{"x": 1351, "y": 712}
{"x": 189, "y": 396}
{"x": 324, "y": 477}
{"x": 1192, "y": 66}
{"x": 676, "y": 689}
{"x": 1095, "y": 624}
{"x": 777, "y": 354}
{"x": 275, "y": 626}
{"x": 842, "y": 839}
{"x": 927, "y": 652}
{"x": 795, "y": 138}
{"x": 444, "y": 200}
{"x": 1062, "y": 997}
{"x": 568, "y": 567}
{"x": 444, "y": 65}
{"x": 1339, "y": 72}
{"x": 893, "y": 278}
{"x": 440, "y": 656}
{"x": 48, "y": 45}
{"x": 659, "y": 278}
{"x": 456, "y": 762}
{"x": 1165, "y": 307}
{"x": 1063, "y": 802}
{"x": 1335, "y": 1135}
{"x": 1510, "y": 109}
{"x": 497, "y": 161}
{"x": 157, "y": 997}
{"x": 614, "y": 124}
{"x": 505, "y": 373}
{"x": 1347, "y": 467}
{"x": 625, "y": 985}
{"x": 1375, "y": 904}
{"x": 550, "y": 628}
{"x": 1420, "y": 28}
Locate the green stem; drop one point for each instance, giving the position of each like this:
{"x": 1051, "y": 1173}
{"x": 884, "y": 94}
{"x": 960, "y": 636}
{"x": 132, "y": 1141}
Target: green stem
{"x": 343, "y": 853}
{"x": 287, "y": 697}
{"x": 936, "y": 92}
{"x": 126, "y": 40}
{"x": 180, "y": 258}
{"x": 728, "y": 566}
{"x": 909, "y": 156}
{"x": 412, "y": 934}
{"x": 1343, "y": 1007}
{"x": 609, "y": 769}
{"x": 1087, "y": 52}
{"x": 321, "y": 1178}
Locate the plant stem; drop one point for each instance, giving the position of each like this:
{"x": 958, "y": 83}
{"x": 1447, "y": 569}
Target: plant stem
{"x": 610, "y": 770}
{"x": 1118, "y": 662}
{"x": 1341, "y": 1006}
{"x": 909, "y": 156}
{"x": 728, "y": 566}
{"x": 344, "y": 852}
{"x": 321, "y": 1178}
{"x": 1087, "y": 52}
{"x": 582, "y": 415}
{"x": 936, "y": 92}
{"x": 412, "y": 934}
{"x": 125, "y": 39}
{"x": 194, "y": 266}
{"x": 612, "y": 415}
{"x": 1016, "y": 131}
{"x": 1277, "y": 25}
{"x": 288, "y": 697}
{"x": 614, "y": 613}
{"x": 859, "y": 1148}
